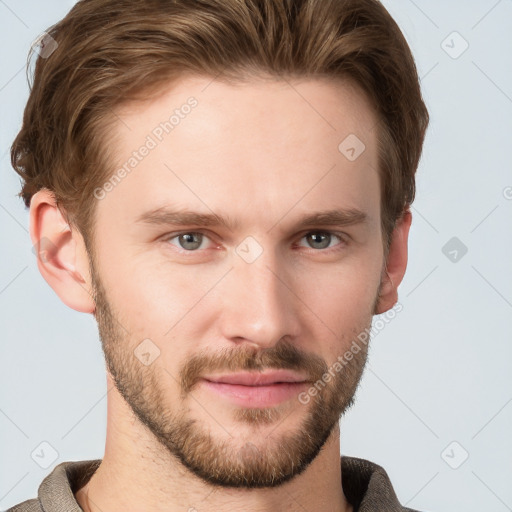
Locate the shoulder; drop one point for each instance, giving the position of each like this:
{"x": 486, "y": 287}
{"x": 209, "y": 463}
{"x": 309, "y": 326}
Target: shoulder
{"x": 56, "y": 491}
{"x": 27, "y": 506}
{"x": 367, "y": 486}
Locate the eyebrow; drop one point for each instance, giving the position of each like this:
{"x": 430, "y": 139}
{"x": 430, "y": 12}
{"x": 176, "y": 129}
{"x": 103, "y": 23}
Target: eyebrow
{"x": 167, "y": 216}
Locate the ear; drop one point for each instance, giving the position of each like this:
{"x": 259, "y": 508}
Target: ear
{"x": 395, "y": 265}
{"x": 61, "y": 253}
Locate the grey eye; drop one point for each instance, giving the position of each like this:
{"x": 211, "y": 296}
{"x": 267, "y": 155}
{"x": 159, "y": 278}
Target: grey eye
{"x": 189, "y": 241}
{"x": 321, "y": 239}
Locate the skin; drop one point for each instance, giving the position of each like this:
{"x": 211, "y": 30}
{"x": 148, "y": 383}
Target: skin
{"x": 263, "y": 154}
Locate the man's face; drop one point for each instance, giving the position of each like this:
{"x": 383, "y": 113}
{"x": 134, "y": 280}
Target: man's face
{"x": 268, "y": 293}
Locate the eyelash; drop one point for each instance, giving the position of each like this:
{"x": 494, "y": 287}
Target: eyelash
{"x": 343, "y": 237}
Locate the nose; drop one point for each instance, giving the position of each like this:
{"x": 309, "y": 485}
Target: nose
{"x": 259, "y": 304}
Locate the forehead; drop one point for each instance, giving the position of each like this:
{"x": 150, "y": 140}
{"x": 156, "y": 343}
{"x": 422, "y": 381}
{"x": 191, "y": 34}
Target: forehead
{"x": 270, "y": 145}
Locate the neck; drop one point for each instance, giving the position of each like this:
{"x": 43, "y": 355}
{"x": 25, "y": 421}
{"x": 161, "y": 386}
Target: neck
{"x": 136, "y": 473}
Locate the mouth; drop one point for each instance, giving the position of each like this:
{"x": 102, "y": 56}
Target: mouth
{"x": 255, "y": 389}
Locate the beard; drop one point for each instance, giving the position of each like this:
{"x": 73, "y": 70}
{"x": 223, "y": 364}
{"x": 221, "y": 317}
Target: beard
{"x": 268, "y": 461}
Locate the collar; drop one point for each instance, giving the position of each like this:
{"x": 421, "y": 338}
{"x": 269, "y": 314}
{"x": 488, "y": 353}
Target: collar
{"x": 366, "y": 486}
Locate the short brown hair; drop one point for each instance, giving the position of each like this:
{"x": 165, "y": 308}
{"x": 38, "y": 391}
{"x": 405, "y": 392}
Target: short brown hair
{"x": 112, "y": 50}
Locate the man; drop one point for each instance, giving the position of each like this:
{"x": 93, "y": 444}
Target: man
{"x": 225, "y": 185}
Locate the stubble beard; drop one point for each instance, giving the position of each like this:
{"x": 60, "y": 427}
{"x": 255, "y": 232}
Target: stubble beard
{"x": 267, "y": 460}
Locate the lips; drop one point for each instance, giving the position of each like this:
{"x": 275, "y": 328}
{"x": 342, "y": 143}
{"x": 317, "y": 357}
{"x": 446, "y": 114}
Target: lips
{"x": 258, "y": 378}
{"x": 255, "y": 389}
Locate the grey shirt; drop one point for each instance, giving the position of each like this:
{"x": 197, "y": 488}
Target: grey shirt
{"x": 365, "y": 484}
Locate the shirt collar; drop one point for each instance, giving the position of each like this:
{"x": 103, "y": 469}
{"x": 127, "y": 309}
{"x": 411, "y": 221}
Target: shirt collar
{"x": 366, "y": 486}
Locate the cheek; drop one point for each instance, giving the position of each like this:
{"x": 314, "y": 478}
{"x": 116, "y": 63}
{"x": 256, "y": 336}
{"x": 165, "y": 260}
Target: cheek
{"x": 164, "y": 302}
{"x": 341, "y": 296}
{"x": 148, "y": 298}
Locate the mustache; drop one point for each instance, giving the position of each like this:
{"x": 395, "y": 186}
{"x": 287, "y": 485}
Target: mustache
{"x": 283, "y": 356}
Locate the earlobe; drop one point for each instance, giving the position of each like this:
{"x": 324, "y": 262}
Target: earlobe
{"x": 61, "y": 254}
{"x": 395, "y": 264}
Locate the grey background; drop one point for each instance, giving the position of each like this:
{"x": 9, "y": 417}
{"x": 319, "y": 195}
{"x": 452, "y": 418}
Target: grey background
{"x": 438, "y": 384}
